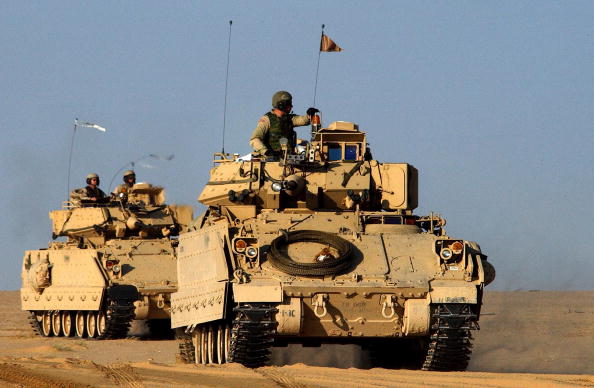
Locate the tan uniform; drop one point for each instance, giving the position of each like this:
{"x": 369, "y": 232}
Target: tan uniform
{"x": 258, "y": 141}
{"x": 123, "y": 188}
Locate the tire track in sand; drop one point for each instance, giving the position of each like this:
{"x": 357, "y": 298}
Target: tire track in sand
{"x": 278, "y": 377}
{"x": 13, "y": 373}
{"x": 122, "y": 374}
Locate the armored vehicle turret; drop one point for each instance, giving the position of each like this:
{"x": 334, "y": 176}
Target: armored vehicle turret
{"x": 116, "y": 264}
{"x": 322, "y": 246}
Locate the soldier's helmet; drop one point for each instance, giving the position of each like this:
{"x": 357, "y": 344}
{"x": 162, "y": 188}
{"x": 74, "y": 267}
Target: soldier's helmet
{"x": 128, "y": 174}
{"x": 282, "y": 99}
{"x": 91, "y": 176}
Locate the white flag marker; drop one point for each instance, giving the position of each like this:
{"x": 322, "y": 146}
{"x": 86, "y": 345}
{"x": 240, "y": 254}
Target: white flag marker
{"x": 90, "y": 125}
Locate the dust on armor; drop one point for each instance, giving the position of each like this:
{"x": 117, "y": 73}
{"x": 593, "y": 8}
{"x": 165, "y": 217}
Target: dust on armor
{"x": 323, "y": 247}
{"x": 116, "y": 263}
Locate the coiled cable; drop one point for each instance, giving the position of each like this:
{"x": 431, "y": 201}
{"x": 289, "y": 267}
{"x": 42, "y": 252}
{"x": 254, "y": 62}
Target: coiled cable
{"x": 333, "y": 266}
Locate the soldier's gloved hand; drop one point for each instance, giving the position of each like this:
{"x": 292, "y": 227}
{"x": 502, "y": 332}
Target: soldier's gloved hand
{"x": 312, "y": 111}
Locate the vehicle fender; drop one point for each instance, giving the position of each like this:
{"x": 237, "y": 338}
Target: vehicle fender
{"x": 416, "y": 316}
{"x": 259, "y": 291}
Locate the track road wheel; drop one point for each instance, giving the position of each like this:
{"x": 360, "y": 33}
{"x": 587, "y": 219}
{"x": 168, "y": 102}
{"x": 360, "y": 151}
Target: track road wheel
{"x": 222, "y": 344}
{"x": 207, "y": 344}
{"x": 46, "y": 324}
{"x": 197, "y": 344}
{"x": 56, "y": 324}
{"x": 204, "y": 345}
{"x": 210, "y": 340}
{"x": 91, "y": 324}
{"x": 201, "y": 339}
{"x": 67, "y": 321}
{"x": 80, "y": 324}
{"x": 101, "y": 323}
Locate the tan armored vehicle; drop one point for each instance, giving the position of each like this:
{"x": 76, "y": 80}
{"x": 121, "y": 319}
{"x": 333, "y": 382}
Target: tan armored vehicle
{"x": 117, "y": 264}
{"x": 323, "y": 247}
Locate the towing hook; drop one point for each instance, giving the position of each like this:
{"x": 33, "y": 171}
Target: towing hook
{"x": 388, "y": 305}
{"x": 160, "y": 301}
{"x": 319, "y": 302}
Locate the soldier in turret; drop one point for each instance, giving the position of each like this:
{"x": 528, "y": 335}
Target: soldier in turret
{"x": 276, "y": 124}
{"x": 91, "y": 194}
{"x": 129, "y": 181}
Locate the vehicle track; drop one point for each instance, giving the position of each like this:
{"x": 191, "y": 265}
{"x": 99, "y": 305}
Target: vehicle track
{"x": 122, "y": 374}
{"x": 252, "y": 334}
{"x": 119, "y": 315}
{"x": 13, "y": 373}
{"x": 281, "y": 379}
{"x": 450, "y": 343}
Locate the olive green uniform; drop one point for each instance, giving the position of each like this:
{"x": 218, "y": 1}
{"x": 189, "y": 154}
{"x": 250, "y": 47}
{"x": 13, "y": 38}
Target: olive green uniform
{"x": 271, "y": 128}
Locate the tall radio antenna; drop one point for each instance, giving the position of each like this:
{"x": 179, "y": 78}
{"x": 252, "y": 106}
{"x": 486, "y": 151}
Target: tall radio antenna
{"x": 78, "y": 124}
{"x": 226, "y": 83}
{"x": 318, "y": 67}
{"x": 70, "y": 158}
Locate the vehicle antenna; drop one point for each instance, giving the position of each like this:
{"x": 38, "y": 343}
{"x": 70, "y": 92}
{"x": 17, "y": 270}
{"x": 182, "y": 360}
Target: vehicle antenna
{"x": 133, "y": 163}
{"x": 226, "y": 84}
{"x": 76, "y": 125}
{"x": 318, "y": 67}
{"x": 70, "y": 159}
{"x": 327, "y": 45}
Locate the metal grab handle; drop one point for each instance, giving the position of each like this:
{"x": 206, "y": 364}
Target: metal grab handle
{"x": 320, "y": 302}
{"x": 388, "y": 305}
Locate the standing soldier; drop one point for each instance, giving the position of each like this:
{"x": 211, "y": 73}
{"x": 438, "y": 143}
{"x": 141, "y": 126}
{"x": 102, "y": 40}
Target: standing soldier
{"x": 276, "y": 124}
{"x": 129, "y": 181}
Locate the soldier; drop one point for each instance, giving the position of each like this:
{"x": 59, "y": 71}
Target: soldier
{"x": 129, "y": 181}
{"x": 276, "y": 124}
{"x": 89, "y": 194}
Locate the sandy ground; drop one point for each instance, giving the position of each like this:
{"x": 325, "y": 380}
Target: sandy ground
{"x": 527, "y": 339}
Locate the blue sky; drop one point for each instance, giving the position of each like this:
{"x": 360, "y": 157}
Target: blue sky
{"x": 492, "y": 102}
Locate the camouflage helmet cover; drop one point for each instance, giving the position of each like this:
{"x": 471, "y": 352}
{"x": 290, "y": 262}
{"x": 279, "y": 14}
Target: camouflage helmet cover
{"x": 128, "y": 174}
{"x": 281, "y": 97}
{"x": 91, "y": 176}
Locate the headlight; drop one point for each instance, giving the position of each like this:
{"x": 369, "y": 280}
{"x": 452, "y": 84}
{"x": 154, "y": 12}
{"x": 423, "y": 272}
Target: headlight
{"x": 251, "y": 252}
{"x": 277, "y": 186}
{"x": 450, "y": 250}
{"x": 446, "y": 253}
{"x": 115, "y": 269}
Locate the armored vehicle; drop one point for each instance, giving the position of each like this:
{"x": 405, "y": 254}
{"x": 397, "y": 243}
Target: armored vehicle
{"x": 117, "y": 264}
{"x": 322, "y": 246}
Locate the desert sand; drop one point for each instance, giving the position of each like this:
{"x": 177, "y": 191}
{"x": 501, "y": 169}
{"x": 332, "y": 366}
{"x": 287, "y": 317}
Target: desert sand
{"x": 527, "y": 339}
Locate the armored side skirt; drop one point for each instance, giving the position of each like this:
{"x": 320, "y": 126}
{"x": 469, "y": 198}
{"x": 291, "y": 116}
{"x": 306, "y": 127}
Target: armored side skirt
{"x": 195, "y": 306}
{"x": 62, "y": 298}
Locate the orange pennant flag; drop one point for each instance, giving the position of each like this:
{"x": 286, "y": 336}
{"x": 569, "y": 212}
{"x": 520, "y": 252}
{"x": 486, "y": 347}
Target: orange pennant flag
{"x": 327, "y": 45}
